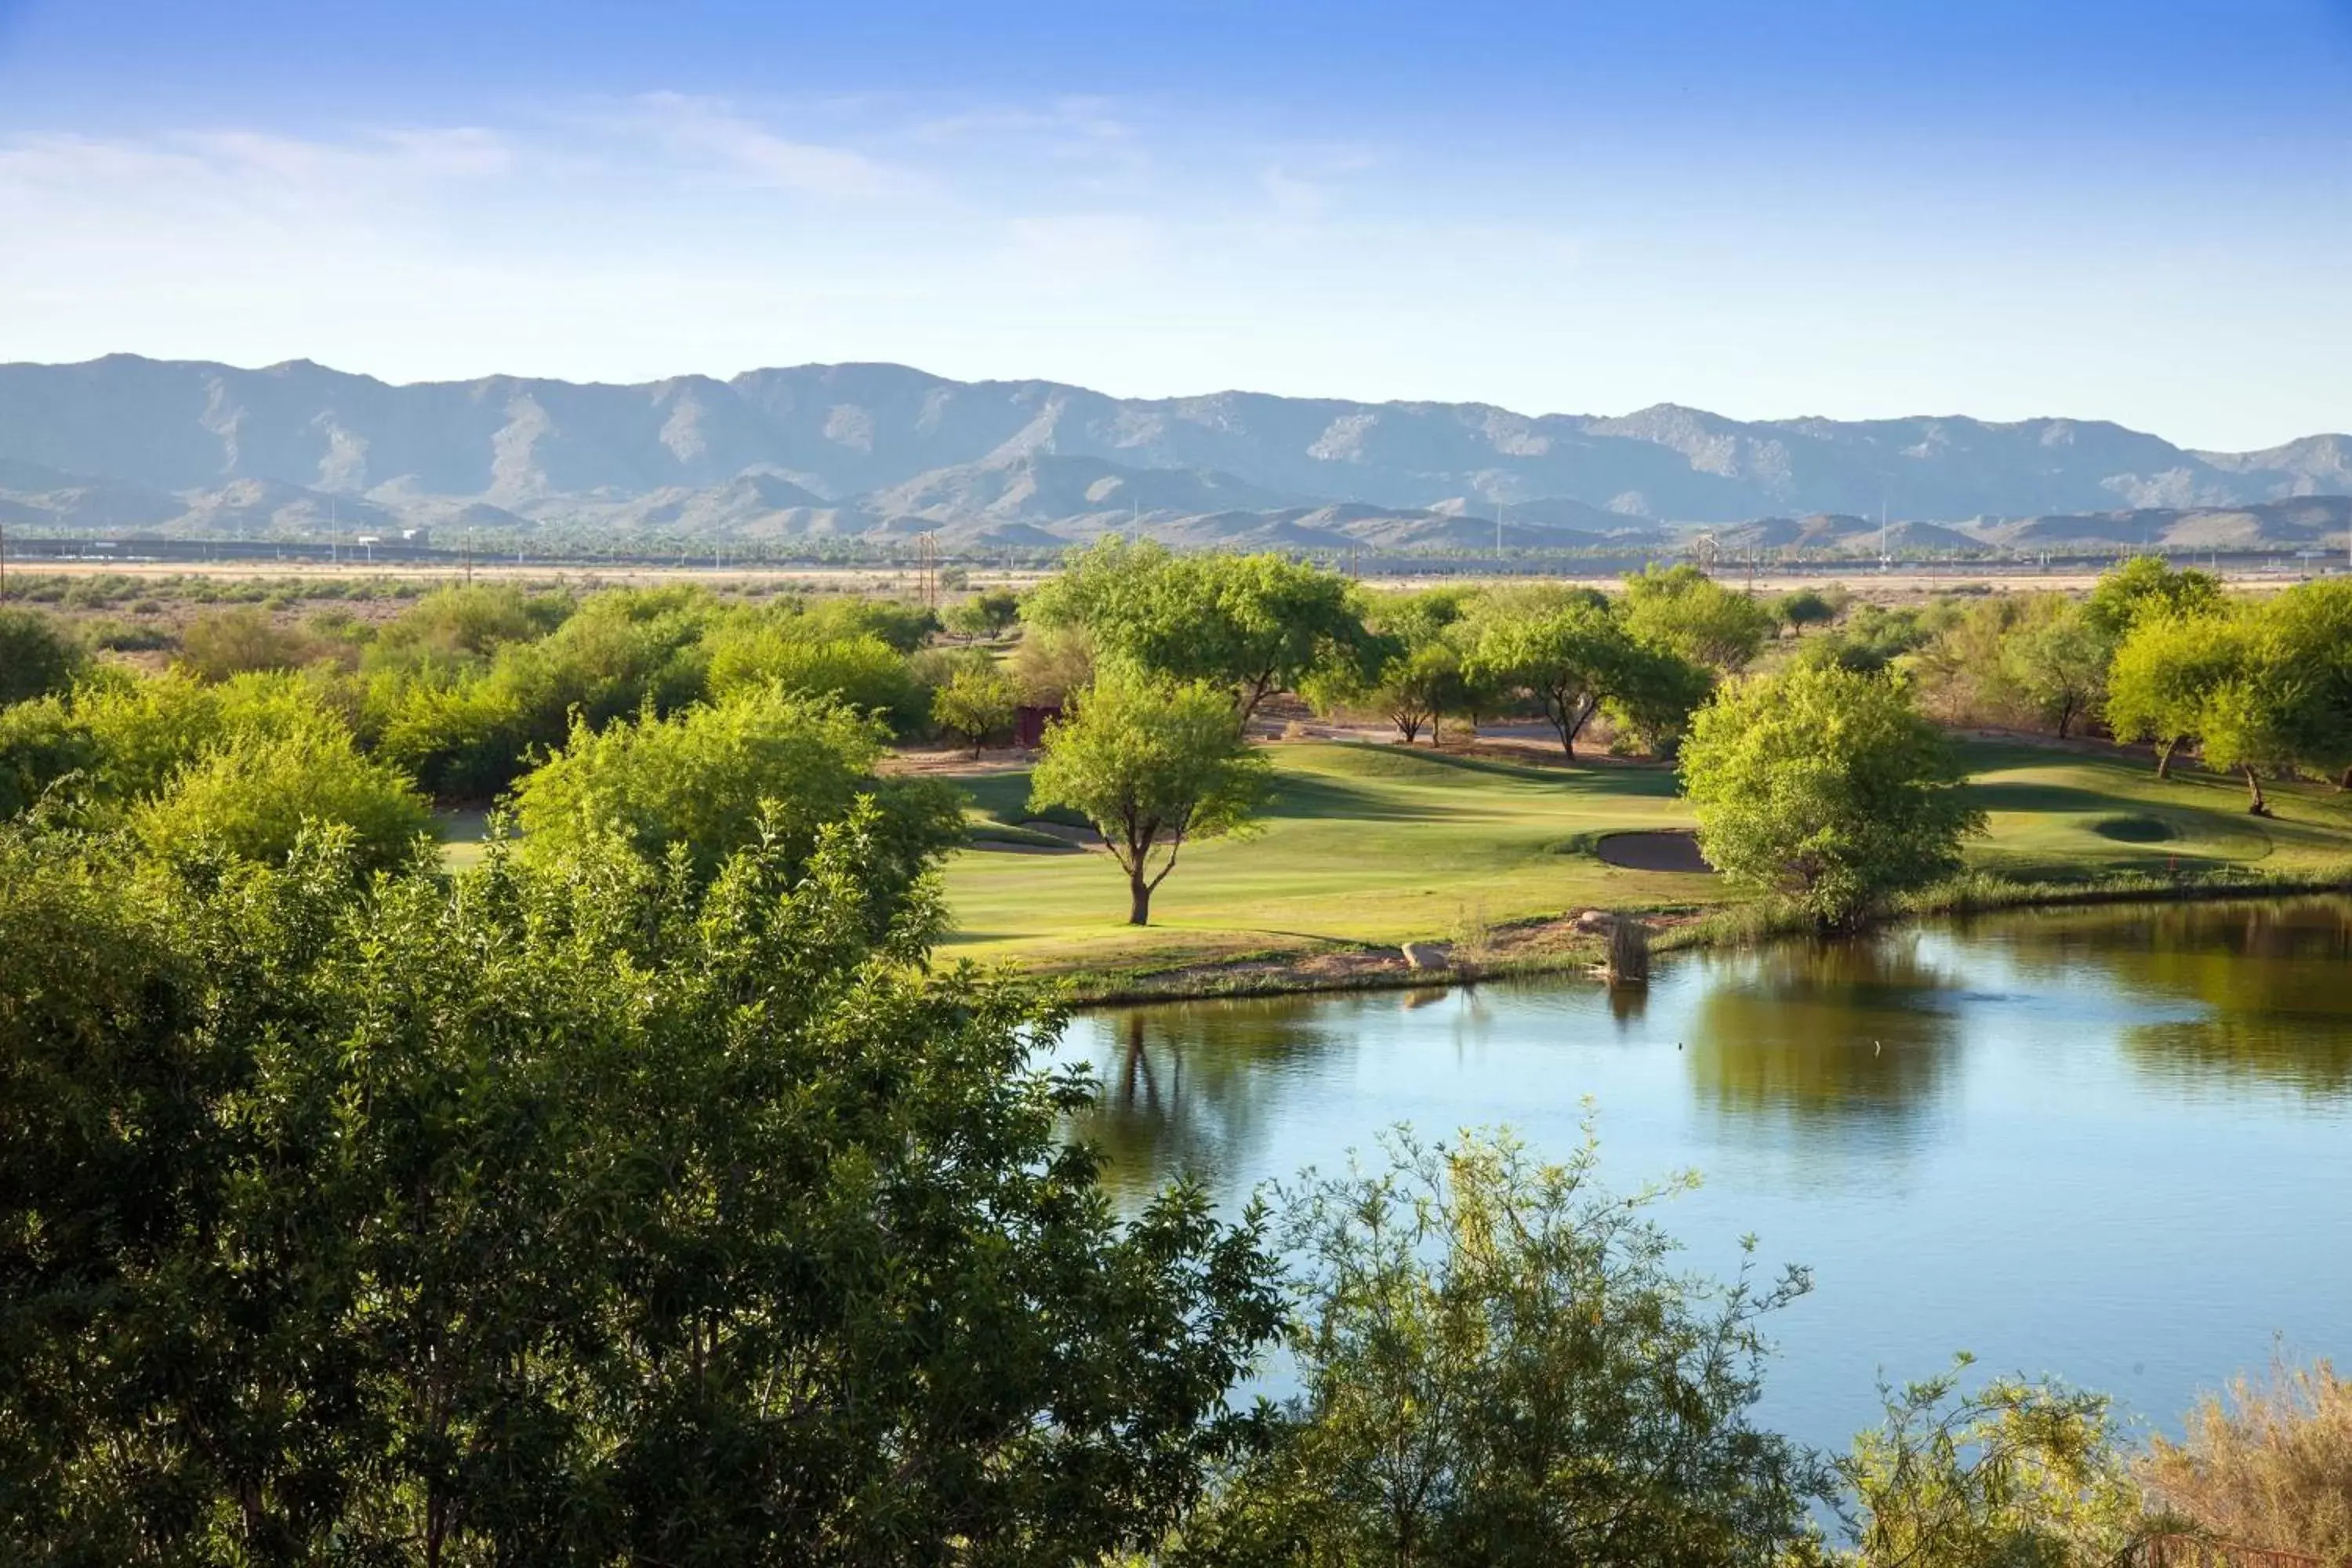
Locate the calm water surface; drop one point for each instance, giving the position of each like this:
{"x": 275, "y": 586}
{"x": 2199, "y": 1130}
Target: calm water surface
{"x": 2112, "y": 1145}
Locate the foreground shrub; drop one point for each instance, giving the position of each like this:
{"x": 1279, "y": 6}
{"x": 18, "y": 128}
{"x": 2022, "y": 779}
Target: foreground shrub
{"x": 575, "y": 1216}
{"x": 2014, "y": 1475}
{"x": 1500, "y": 1363}
{"x": 2268, "y": 1464}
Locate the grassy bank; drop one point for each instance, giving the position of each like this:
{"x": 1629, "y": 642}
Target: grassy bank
{"x": 1370, "y": 846}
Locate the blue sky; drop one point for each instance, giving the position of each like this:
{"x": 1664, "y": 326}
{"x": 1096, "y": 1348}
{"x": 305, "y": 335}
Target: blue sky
{"x": 2137, "y": 212}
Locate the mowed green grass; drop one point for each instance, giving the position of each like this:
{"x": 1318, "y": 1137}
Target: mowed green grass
{"x": 1377, "y": 844}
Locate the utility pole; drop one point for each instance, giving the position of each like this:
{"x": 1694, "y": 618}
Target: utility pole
{"x": 4, "y": 562}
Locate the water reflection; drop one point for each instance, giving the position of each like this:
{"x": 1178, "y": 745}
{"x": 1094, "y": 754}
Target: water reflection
{"x": 2270, "y": 984}
{"x": 1851, "y": 1045}
{"x": 1840, "y": 1033}
{"x": 1189, "y": 1088}
{"x": 2104, "y": 1143}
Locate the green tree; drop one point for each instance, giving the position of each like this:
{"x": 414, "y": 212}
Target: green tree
{"x": 1256, "y": 625}
{"x": 712, "y": 780}
{"x": 575, "y": 1213}
{"x": 1154, "y": 765}
{"x": 2145, "y": 586}
{"x": 1412, "y": 672}
{"x": 255, "y": 794}
{"x": 977, "y": 701}
{"x": 2162, "y": 676}
{"x": 2308, "y": 632}
{"x": 1826, "y": 786}
{"x": 2060, "y": 662}
{"x": 1685, "y": 610}
{"x": 989, "y": 614}
{"x": 1499, "y": 1363}
{"x": 37, "y": 658}
{"x": 1571, "y": 655}
{"x": 1801, "y": 609}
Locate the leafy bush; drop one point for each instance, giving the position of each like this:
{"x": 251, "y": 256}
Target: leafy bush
{"x": 112, "y": 634}
{"x": 1499, "y": 1363}
{"x": 36, "y": 655}
{"x": 255, "y": 794}
{"x": 234, "y": 642}
{"x": 41, "y": 744}
{"x": 571, "y": 1216}
{"x": 861, "y": 671}
{"x": 712, "y": 780}
{"x": 2013, "y": 1475}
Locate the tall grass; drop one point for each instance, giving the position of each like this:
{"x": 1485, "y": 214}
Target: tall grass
{"x": 2267, "y": 1464}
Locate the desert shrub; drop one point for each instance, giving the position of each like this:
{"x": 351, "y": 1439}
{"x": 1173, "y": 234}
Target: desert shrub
{"x": 41, "y": 744}
{"x": 861, "y": 671}
{"x": 1500, "y": 1363}
{"x": 471, "y": 620}
{"x": 36, "y": 655}
{"x": 112, "y": 634}
{"x": 253, "y": 796}
{"x": 234, "y": 642}
{"x": 460, "y": 739}
{"x": 2267, "y": 1464}
{"x": 709, "y": 781}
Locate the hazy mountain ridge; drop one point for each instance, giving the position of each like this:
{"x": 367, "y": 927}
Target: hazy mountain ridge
{"x": 849, "y": 450}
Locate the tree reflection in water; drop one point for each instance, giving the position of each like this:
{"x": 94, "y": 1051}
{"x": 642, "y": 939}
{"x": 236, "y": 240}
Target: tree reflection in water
{"x": 1188, "y": 1088}
{"x": 2272, "y": 980}
{"x": 1863, "y": 1033}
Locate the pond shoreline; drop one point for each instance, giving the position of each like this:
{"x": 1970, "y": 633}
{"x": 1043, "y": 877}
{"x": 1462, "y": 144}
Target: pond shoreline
{"x": 1567, "y": 944}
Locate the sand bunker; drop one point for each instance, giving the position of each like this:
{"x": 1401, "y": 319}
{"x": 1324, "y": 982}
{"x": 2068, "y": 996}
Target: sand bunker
{"x": 1653, "y": 852}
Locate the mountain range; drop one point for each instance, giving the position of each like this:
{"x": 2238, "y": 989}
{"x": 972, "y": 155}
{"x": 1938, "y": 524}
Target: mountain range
{"x": 873, "y": 452}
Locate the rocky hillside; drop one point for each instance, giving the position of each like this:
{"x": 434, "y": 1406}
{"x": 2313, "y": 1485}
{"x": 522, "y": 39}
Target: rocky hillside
{"x": 878, "y": 450}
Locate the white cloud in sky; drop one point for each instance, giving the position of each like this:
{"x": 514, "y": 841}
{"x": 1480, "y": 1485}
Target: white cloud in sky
{"x": 693, "y": 127}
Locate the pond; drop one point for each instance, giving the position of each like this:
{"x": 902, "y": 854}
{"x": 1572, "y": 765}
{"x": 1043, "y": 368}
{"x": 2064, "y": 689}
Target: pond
{"x": 2112, "y": 1145}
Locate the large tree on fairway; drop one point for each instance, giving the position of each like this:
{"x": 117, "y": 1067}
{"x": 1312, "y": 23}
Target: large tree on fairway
{"x": 1571, "y": 654}
{"x": 1827, "y": 786}
{"x": 2164, "y": 674}
{"x": 1256, "y": 625}
{"x": 1154, "y": 765}
{"x": 579, "y": 1212}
